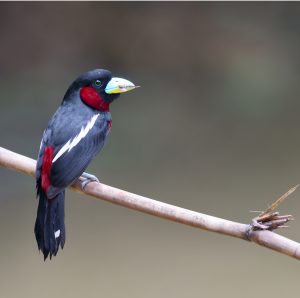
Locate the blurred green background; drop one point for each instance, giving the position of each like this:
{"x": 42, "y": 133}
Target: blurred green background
{"x": 214, "y": 128}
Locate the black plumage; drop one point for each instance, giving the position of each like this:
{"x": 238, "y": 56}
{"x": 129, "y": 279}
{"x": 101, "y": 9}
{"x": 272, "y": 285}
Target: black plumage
{"x": 75, "y": 134}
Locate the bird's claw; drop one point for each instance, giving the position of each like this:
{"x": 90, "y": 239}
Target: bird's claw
{"x": 87, "y": 178}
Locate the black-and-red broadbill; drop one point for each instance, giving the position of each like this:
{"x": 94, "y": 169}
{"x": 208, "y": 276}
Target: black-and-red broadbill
{"x": 75, "y": 134}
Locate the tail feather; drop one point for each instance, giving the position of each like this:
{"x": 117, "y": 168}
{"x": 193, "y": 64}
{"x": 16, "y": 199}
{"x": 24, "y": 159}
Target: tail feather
{"x": 49, "y": 226}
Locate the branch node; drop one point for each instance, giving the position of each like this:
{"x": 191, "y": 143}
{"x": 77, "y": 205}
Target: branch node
{"x": 248, "y": 232}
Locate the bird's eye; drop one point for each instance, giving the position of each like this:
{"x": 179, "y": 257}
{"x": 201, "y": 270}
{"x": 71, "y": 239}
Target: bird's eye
{"x": 98, "y": 83}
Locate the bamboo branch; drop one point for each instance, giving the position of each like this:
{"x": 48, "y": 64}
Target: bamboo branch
{"x": 271, "y": 240}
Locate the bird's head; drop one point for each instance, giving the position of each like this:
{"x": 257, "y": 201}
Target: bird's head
{"x": 98, "y": 88}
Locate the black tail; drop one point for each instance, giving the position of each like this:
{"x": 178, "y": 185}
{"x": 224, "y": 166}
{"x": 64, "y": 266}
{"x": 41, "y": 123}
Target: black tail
{"x": 49, "y": 226}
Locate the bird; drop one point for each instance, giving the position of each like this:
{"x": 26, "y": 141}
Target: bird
{"x": 75, "y": 134}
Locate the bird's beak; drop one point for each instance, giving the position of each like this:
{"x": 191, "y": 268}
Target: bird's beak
{"x": 119, "y": 85}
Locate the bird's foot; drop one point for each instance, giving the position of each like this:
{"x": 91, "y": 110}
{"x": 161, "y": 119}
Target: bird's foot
{"x": 87, "y": 178}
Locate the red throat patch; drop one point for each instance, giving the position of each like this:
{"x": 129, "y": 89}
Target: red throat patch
{"x": 46, "y": 168}
{"x": 91, "y": 97}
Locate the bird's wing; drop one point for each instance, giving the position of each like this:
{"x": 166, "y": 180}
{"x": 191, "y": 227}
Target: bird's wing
{"x": 71, "y": 158}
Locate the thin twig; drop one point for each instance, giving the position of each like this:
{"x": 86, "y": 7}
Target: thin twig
{"x": 279, "y": 201}
{"x": 271, "y": 240}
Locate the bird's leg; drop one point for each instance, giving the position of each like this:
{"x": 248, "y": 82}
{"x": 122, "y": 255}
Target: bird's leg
{"x": 87, "y": 178}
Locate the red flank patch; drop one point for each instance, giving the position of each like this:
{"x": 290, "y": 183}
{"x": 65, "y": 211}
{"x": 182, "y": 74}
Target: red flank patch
{"x": 46, "y": 168}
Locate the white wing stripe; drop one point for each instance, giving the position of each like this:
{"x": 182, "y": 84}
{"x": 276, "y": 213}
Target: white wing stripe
{"x": 72, "y": 143}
